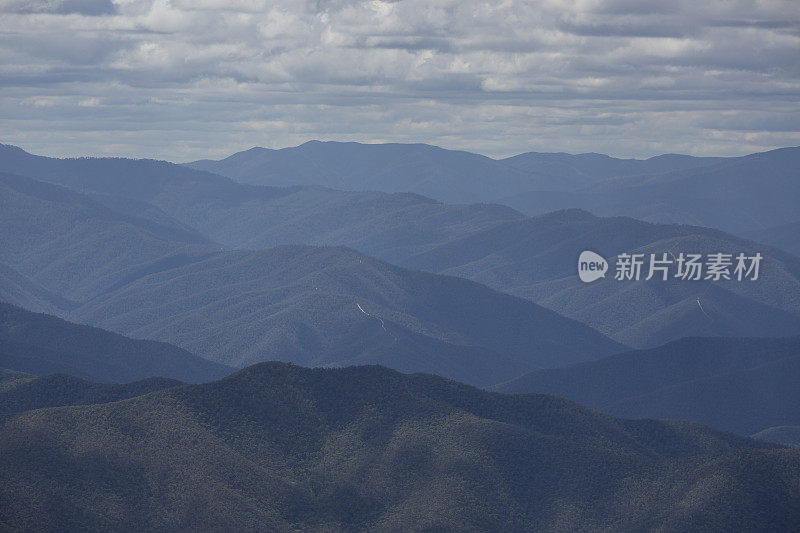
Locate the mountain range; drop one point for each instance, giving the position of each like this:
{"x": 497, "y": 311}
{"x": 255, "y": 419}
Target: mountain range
{"x": 536, "y": 258}
{"x": 530, "y": 257}
{"x": 739, "y": 195}
{"x": 301, "y": 304}
{"x": 283, "y": 448}
{"x": 204, "y": 274}
{"x": 451, "y": 176}
{"x": 736, "y": 194}
{"x": 253, "y": 217}
{"x": 71, "y": 245}
{"x": 333, "y": 306}
{"x": 732, "y": 384}
{"x": 41, "y": 344}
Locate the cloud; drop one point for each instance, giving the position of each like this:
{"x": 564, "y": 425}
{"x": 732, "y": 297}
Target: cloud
{"x": 187, "y": 79}
{"x": 63, "y": 7}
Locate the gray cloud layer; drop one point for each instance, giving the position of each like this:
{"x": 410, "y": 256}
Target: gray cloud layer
{"x": 184, "y": 79}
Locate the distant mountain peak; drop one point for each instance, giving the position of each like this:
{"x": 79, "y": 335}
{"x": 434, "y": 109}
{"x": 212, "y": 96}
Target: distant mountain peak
{"x": 10, "y": 148}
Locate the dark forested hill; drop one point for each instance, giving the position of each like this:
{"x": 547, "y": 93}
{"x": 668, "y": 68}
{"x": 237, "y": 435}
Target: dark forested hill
{"x": 18, "y": 394}
{"x": 740, "y": 385}
{"x": 42, "y": 344}
{"x": 333, "y": 306}
{"x": 280, "y": 448}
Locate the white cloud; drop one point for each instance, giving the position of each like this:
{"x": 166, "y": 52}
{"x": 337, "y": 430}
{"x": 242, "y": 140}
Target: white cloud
{"x": 85, "y": 7}
{"x": 186, "y": 79}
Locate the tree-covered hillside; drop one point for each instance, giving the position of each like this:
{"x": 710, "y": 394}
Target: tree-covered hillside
{"x": 277, "y": 447}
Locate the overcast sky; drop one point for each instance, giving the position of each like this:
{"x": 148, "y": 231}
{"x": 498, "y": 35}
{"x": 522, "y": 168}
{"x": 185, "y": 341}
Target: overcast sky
{"x": 187, "y": 79}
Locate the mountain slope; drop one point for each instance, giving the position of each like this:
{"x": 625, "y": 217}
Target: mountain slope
{"x": 334, "y": 306}
{"x": 759, "y": 190}
{"x": 283, "y": 448}
{"x": 785, "y": 236}
{"x": 536, "y": 258}
{"x": 390, "y": 226}
{"x": 20, "y": 290}
{"x": 533, "y": 258}
{"x": 110, "y": 264}
{"x": 740, "y": 195}
{"x": 739, "y": 385}
{"x": 42, "y": 344}
{"x": 74, "y": 246}
{"x": 57, "y": 390}
{"x": 786, "y": 435}
{"x": 577, "y": 171}
{"x": 139, "y": 179}
{"x": 246, "y": 216}
{"x": 447, "y": 175}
